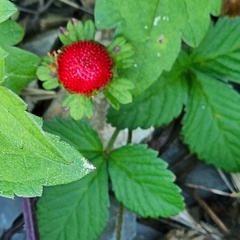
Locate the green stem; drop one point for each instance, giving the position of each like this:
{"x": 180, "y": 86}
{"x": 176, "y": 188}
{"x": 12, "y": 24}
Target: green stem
{"x": 112, "y": 140}
{"x": 120, "y": 222}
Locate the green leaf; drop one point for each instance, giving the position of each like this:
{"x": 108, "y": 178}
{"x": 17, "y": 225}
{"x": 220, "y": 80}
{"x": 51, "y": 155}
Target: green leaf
{"x": 142, "y": 183}
{"x": 21, "y": 65}
{"x": 7, "y": 9}
{"x": 78, "y": 210}
{"x": 159, "y": 104}
{"x": 80, "y": 105}
{"x": 3, "y": 55}
{"x": 211, "y": 124}
{"x": 219, "y": 52}
{"x": 21, "y": 68}
{"x": 78, "y": 133}
{"x": 31, "y": 158}
{"x": 155, "y": 31}
{"x": 11, "y": 33}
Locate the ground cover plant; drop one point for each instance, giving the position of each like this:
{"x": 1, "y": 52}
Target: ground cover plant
{"x": 165, "y": 60}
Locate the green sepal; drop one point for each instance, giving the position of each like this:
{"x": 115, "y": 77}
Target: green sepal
{"x": 118, "y": 91}
{"x": 121, "y": 52}
{"x": 79, "y": 105}
{"x": 77, "y": 31}
{"x": 49, "y": 79}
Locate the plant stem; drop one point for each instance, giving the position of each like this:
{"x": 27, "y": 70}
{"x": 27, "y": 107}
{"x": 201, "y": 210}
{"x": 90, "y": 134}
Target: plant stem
{"x": 29, "y": 219}
{"x": 119, "y": 222}
{"x": 112, "y": 140}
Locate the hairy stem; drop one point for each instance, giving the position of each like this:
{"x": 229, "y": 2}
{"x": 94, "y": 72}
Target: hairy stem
{"x": 119, "y": 222}
{"x": 112, "y": 140}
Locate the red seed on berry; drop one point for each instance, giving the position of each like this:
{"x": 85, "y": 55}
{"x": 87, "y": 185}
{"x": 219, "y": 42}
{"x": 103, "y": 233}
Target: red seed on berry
{"x": 84, "y": 67}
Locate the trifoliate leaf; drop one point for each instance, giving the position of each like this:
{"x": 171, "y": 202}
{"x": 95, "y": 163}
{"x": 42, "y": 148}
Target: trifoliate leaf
{"x": 79, "y": 105}
{"x": 159, "y": 104}
{"x": 31, "y": 158}
{"x": 219, "y": 52}
{"x": 155, "y": 31}
{"x": 211, "y": 124}
{"x": 78, "y": 133}
{"x": 142, "y": 183}
{"x": 7, "y": 9}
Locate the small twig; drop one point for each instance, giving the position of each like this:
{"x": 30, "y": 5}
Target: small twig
{"x": 43, "y": 7}
{"x": 17, "y": 226}
{"x": 226, "y": 181}
{"x": 74, "y": 5}
{"x": 210, "y": 212}
{"x": 216, "y": 191}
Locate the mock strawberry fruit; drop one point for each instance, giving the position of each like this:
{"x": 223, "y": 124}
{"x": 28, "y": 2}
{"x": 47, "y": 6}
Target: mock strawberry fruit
{"x": 84, "y": 67}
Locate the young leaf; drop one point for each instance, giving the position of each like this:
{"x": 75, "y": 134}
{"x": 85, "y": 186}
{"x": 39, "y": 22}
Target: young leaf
{"x": 211, "y": 124}
{"x": 78, "y": 133}
{"x": 155, "y": 31}
{"x": 31, "y": 158}
{"x": 21, "y": 68}
{"x": 21, "y": 65}
{"x": 11, "y": 33}
{"x": 142, "y": 183}
{"x": 7, "y": 9}
{"x": 159, "y": 104}
{"x": 219, "y": 52}
{"x": 75, "y": 211}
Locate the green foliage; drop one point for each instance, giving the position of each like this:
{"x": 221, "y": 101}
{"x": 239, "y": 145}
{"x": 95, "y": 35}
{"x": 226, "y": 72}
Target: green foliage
{"x": 31, "y": 158}
{"x": 83, "y": 203}
{"x": 134, "y": 171}
{"x": 7, "y": 9}
{"x": 159, "y": 104}
{"x": 155, "y": 31}
{"x": 79, "y": 209}
{"x": 142, "y": 183}
{"x": 220, "y": 56}
{"x": 211, "y": 124}
{"x": 20, "y": 65}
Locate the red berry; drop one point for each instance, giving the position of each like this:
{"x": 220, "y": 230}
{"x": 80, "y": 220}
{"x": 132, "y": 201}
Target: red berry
{"x": 84, "y": 67}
